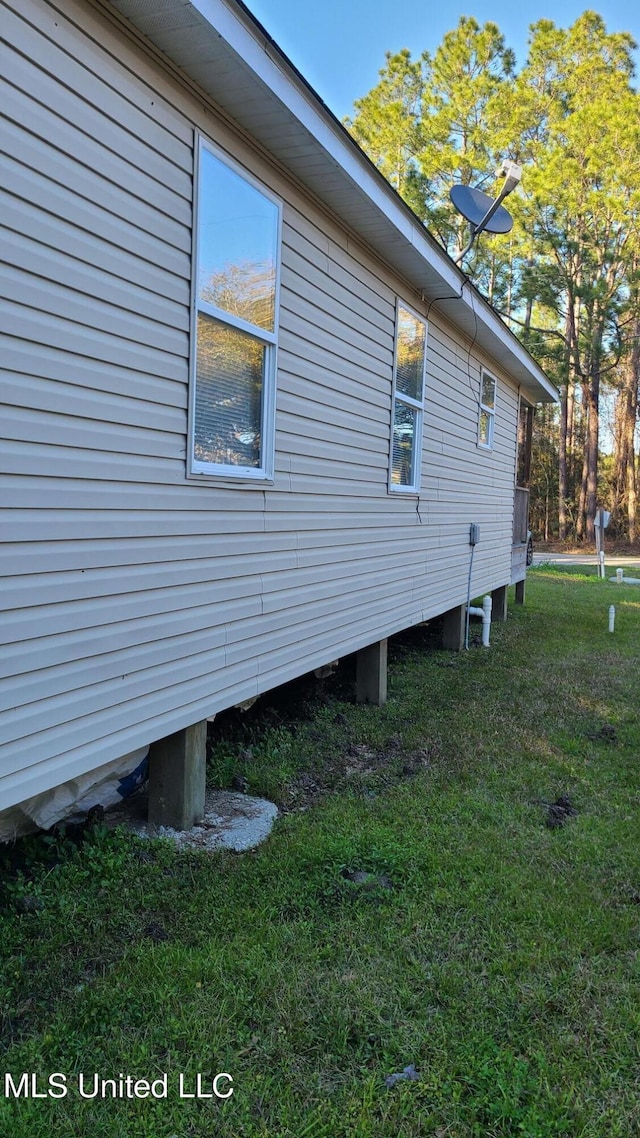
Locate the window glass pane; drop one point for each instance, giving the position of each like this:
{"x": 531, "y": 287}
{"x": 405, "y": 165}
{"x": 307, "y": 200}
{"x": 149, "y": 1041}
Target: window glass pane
{"x": 404, "y": 440}
{"x": 488, "y": 391}
{"x": 410, "y": 355}
{"x": 238, "y": 241}
{"x": 230, "y": 370}
{"x": 486, "y": 421}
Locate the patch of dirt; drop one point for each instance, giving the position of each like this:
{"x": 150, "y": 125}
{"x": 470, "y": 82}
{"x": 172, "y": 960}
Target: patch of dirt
{"x": 156, "y": 932}
{"x": 340, "y": 763}
{"x": 559, "y": 812}
{"x": 605, "y": 734}
{"x": 300, "y": 794}
{"x": 631, "y": 896}
{"x": 368, "y": 880}
{"x": 359, "y": 768}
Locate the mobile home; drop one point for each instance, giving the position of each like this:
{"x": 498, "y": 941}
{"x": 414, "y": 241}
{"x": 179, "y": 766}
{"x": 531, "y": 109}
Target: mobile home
{"x": 250, "y": 406}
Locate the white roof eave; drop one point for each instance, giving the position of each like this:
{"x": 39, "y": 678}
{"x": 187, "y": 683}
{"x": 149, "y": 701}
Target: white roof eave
{"x": 225, "y": 51}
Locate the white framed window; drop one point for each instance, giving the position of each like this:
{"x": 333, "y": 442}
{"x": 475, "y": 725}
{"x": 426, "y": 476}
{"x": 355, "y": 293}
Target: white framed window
{"x": 237, "y": 241}
{"x": 410, "y": 359}
{"x": 487, "y": 417}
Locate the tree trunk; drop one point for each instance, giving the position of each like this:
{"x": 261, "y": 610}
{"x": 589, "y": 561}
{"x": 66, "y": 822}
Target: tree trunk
{"x": 632, "y": 418}
{"x": 626, "y": 411}
{"x": 581, "y": 519}
{"x": 620, "y": 454}
{"x": 562, "y": 466}
{"x": 566, "y": 403}
{"x": 571, "y": 425}
{"x": 632, "y": 496}
{"x": 591, "y": 453}
{"x": 627, "y": 406}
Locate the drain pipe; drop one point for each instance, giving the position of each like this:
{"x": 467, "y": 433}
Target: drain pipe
{"x": 485, "y": 613}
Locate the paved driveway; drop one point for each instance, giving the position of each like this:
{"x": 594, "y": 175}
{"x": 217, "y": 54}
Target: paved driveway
{"x": 612, "y": 561}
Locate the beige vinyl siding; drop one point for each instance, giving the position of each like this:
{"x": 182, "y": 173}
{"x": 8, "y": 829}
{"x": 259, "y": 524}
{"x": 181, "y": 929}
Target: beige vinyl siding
{"x": 137, "y": 600}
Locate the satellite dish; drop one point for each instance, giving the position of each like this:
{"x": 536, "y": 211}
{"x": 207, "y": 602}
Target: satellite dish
{"x": 482, "y": 211}
{"x": 474, "y": 205}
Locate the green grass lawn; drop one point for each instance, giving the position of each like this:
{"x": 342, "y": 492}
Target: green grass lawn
{"x": 411, "y": 907}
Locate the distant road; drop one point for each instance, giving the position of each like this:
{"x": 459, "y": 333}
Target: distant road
{"x": 612, "y": 560}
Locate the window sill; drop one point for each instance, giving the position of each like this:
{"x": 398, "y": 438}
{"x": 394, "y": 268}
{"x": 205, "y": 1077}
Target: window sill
{"x": 233, "y": 481}
{"x": 405, "y": 491}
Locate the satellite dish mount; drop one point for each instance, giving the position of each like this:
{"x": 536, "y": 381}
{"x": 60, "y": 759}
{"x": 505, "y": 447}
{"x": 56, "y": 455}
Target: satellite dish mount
{"x": 481, "y": 211}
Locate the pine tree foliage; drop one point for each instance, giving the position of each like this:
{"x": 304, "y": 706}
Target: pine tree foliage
{"x": 568, "y": 276}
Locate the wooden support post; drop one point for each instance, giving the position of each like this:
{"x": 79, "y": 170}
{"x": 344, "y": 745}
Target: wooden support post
{"x": 520, "y": 591}
{"x": 371, "y": 674}
{"x": 453, "y": 631}
{"x": 177, "y": 777}
{"x": 499, "y": 603}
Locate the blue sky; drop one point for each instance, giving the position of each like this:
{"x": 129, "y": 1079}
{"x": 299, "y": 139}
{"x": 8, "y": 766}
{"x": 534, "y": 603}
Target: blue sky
{"x": 339, "y": 45}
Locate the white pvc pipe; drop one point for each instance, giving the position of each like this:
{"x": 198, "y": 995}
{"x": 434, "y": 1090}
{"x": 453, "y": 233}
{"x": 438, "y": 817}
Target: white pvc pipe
{"x": 485, "y": 613}
{"x": 486, "y": 621}
{"x": 619, "y": 575}
{"x": 612, "y": 617}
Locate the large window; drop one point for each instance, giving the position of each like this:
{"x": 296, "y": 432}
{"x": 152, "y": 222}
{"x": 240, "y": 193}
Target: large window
{"x": 487, "y": 411}
{"x": 408, "y": 400}
{"x": 236, "y": 306}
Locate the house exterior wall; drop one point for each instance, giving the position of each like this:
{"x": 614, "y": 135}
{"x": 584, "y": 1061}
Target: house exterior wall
{"x": 137, "y": 600}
